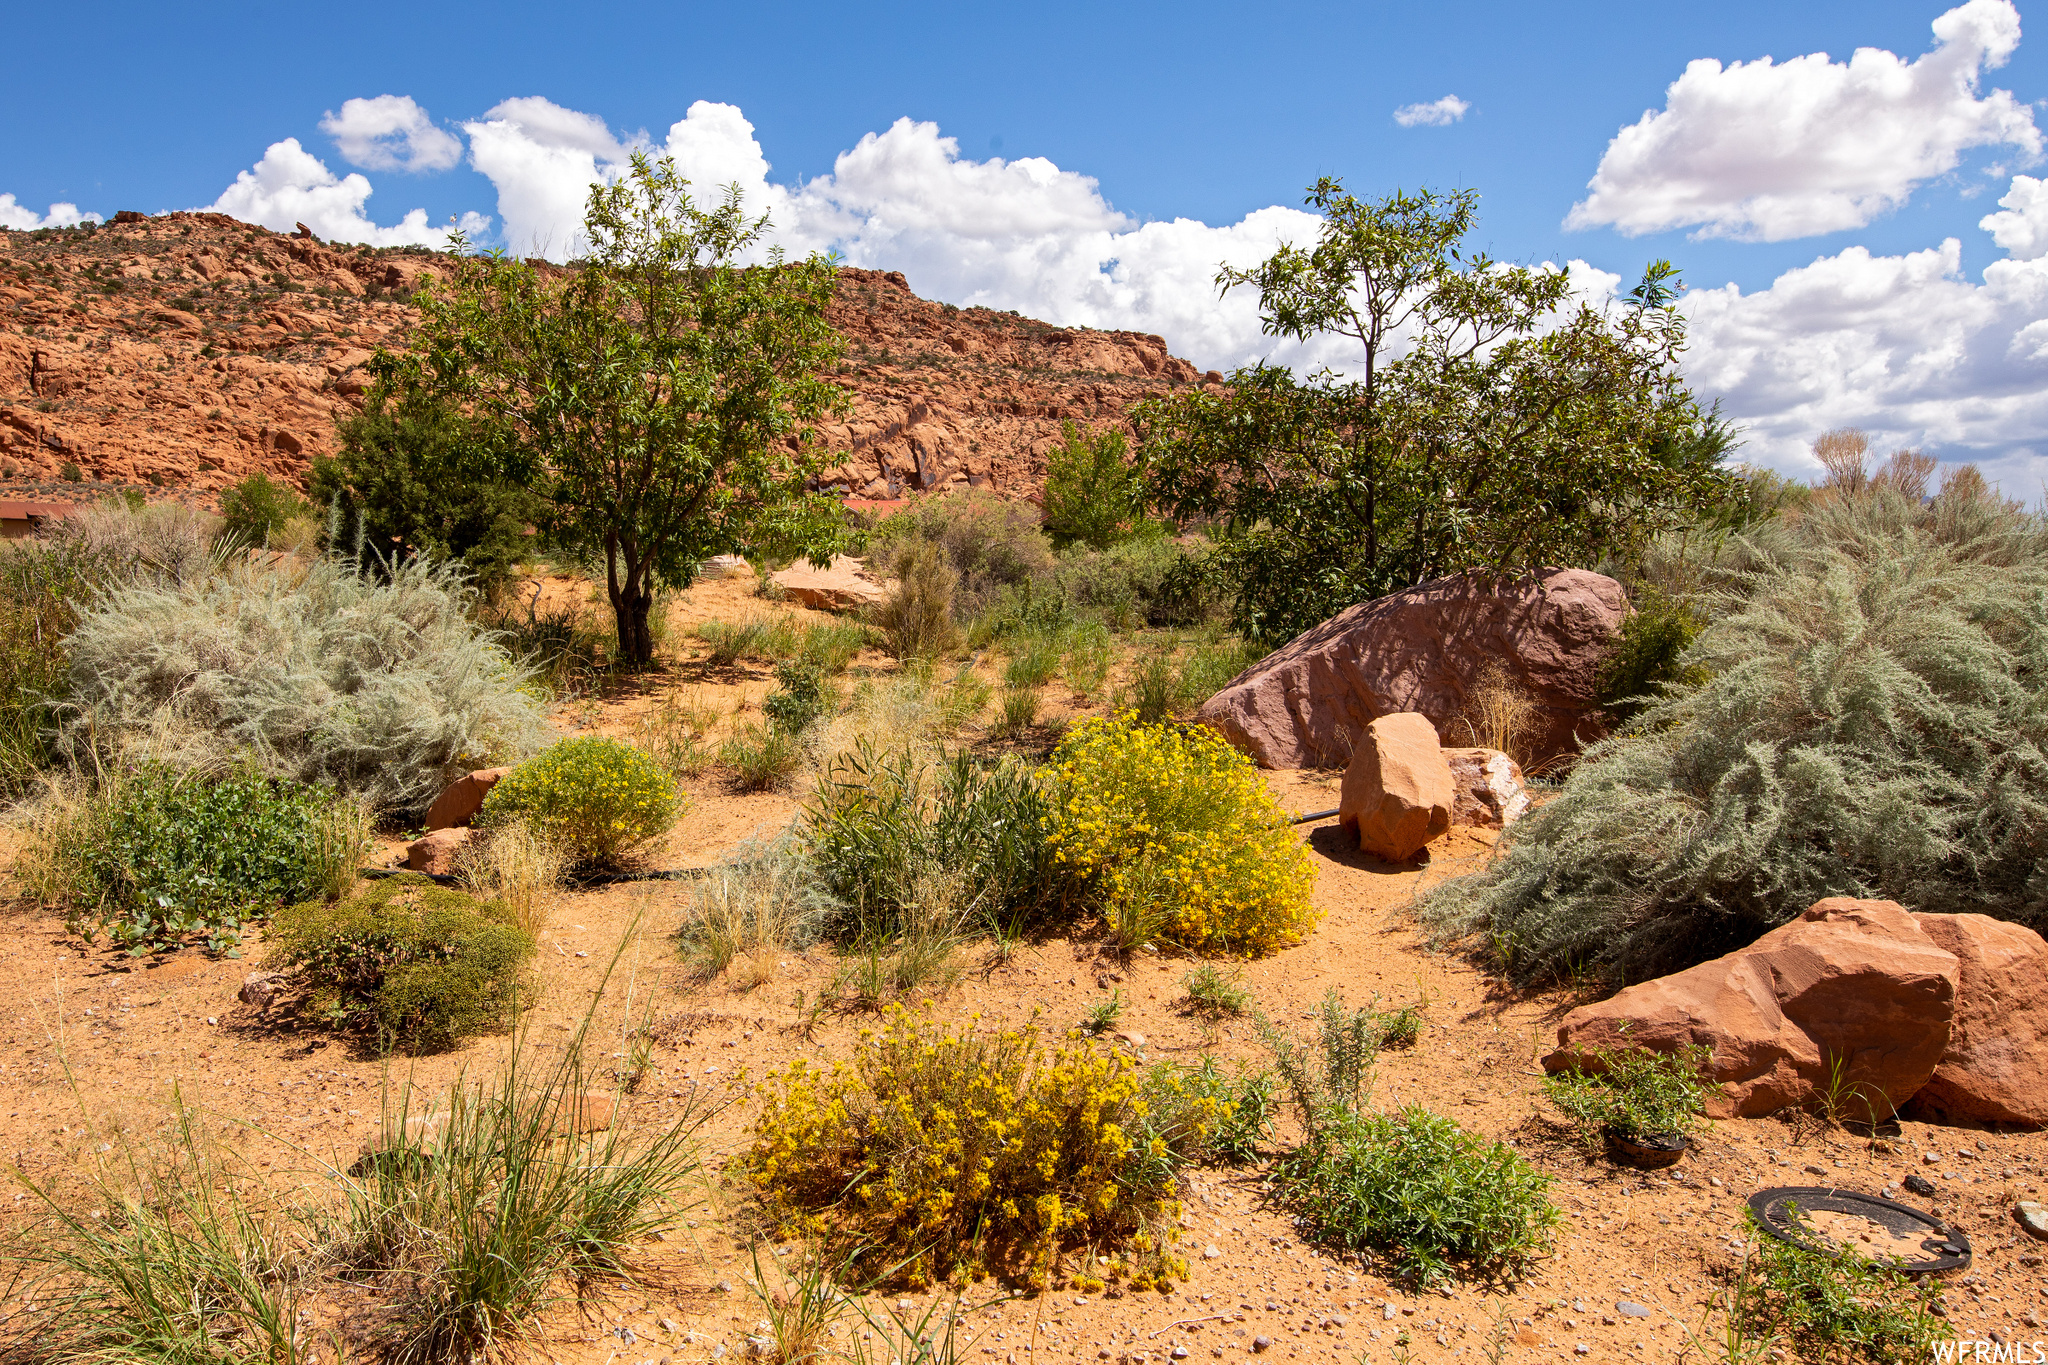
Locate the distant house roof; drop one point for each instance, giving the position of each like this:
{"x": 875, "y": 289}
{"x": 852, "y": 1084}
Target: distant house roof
{"x": 33, "y": 511}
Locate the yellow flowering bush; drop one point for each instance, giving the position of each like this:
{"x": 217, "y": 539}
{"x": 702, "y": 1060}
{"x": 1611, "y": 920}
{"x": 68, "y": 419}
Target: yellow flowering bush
{"x": 937, "y": 1155}
{"x": 597, "y": 797}
{"x": 1172, "y": 832}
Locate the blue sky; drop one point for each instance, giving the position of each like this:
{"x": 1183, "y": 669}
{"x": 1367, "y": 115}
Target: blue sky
{"x": 1184, "y": 111}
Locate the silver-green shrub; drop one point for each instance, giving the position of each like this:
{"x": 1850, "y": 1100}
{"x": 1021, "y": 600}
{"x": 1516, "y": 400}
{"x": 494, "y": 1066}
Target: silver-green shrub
{"x": 379, "y": 686}
{"x": 1872, "y": 723}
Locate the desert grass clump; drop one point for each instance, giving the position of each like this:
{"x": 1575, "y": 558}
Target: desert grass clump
{"x": 379, "y": 686}
{"x": 675, "y": 732}
{"x": 1213, "y": 996}
{"x": 596, "y": 797}
{"x": 937, "y": 1155}
{"x": 761, "y": 637}
{"x": 762, "y": 757}
{"x": 156, "y": 857}
{"x": 1172, "y": 835}
{"x": 763, "y": 899}
{"x": 832, "y": 645}
{"x": 1019, "y": 711}
{"x": 1631, "y": 1092}
{"x": 1497, "y": 714}
{"x": 414, "y": 966}
{"x": 516, "y": 865}
{"x": 487, "y": 1211}
{"x": 916, "y": 619}
{"x": 41, "y": 588}
{"x": 1868, "y": 726}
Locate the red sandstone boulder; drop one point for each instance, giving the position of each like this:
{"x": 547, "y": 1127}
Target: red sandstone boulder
{"x": 1487, "y": 788}
{"x": 1996, "y": 1067}
{"x": 461, "y": 799}
{"x": 1397, "y": 792}
{"x": 842, "y": 587}
{"x": 1424, "y": 650}
{"x": 435, "y": 854}
{"x": 1851, "y": 984}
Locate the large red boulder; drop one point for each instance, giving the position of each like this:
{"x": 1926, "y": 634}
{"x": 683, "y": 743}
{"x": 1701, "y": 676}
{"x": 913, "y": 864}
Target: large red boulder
{"x": 1398, "y": 790}
{"x": 1849, "y": 1003}
{"x": 1996, "y": 1067}
{"x": 1426, "y": 650}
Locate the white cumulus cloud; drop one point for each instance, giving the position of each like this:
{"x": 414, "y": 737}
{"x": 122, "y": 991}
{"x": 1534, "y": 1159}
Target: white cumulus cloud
{"x": 290, "y": 185}
{"x": 1766, "y": 151}
{"x": 22, "y": 218}
{"x": 1434, "y": 114}
{"x": 2023, "y": 228}
{"x": 391, "y": 133}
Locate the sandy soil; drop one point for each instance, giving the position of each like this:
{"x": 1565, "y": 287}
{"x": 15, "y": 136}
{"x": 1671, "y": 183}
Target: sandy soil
{"x": 101, "y": 1050}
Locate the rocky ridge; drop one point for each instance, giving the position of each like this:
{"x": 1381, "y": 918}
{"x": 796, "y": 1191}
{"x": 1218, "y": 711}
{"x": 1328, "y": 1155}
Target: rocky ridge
{"x": 188, "y": 350}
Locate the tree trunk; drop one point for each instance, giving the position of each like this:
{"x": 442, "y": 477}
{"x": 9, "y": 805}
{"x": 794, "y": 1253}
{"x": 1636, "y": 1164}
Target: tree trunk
{"x": 631, "y": 600}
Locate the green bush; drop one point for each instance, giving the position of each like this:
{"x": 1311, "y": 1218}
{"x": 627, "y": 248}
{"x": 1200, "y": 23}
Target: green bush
{"x": 416, "y": 477}
{"x": 1429, "y": 1199}
{"x": 762, "y": 757}
{"x": 594, "y": 796}
{"x": 801, "y": 700}
{"x": 991, "y": 544}
{"x": 1869, "y": 726}
{"x": 916, "y": 619}
{"x": 253, "y": 511}
{"x": 418, "y": 965}
{"x": 39, "y": 587}
{"x": 1092, "y": 493}
{"x": 158, "y": 856}
{"x": 881, "y": 823}
{"x": 1632, "y": 1091}
{"x": 382, "y": 687}
{"x": 1832, "y": 1308}
{"x": 1646, "y": 656}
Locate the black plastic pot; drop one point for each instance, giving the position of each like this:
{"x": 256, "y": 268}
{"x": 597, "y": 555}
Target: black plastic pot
{"x": 1646, "y": 1149}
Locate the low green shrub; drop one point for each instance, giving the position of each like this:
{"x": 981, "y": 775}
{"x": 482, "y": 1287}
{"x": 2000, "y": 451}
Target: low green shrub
{"x": 939, "y": 1155}
{"x": 1868, "y": 727}
{"x": 1033, "y": 661}
{"x": 1431, "y": 1201}
{"x": 155, "y": 857}
{"x": 1172, "y": 834}
{"x": 992, "y": 545}
{"x": 1213, "y": 995}
{"x": 596, "y": 797}
{"x": 1832, "y": 1308}
{"x": 1245, "y": 1104}
{"x": 801, "y": 699}
{"x": 417, "y": 965}
{"x": 1093, "y": 495}
{"x": 1631, "y": 1090}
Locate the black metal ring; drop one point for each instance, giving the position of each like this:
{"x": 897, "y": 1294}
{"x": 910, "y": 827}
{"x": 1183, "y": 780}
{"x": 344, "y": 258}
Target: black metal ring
{"x": 1949, "y": 1248}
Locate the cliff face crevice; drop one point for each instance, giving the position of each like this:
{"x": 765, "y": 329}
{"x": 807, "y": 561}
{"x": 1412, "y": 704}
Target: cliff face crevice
{"x": 188, "y": 350}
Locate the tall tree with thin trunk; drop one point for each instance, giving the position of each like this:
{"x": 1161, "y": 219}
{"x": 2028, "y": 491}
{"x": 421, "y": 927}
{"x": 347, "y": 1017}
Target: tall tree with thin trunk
{"x": 661, "y": 393}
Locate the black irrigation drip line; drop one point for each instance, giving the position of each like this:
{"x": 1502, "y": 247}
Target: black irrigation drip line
{"x": 1313, "y": 816}
{"x": 579, "y": 879}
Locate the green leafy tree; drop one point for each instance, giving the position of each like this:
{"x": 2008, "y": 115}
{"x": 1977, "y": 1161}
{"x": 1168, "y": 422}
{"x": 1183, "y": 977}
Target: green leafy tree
{"x": 1487, "y": 423}
{"x": 417, "y": 475}
{"x": 255, "y": 509}
{"x": 1092, "y": 492}
{"x": 661, "y": 393}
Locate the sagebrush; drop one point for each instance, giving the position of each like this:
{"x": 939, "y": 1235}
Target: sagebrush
{"x": 380, "y": 686}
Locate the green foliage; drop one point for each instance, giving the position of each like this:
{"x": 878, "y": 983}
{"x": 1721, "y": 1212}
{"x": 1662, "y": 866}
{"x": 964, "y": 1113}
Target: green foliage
{"x": 1213, "y": 995}
{"x": 1565, "y": 440}
{"x": 382, "y": 687}
{"x": 1333, "y": 1074}
{"x": 916, "y": 619}
{"x": 40, "y": 587}
{"x": 1427, "y": 1198}
{"x": 1019, "y": 711}
{"x": 420, "y": 966}
{"x": 1170, "y": 833}
{"x": 1832, "y": 1308}
{"x": 596, "y": 797}
{"x": 992, "y": 545}
{"x": 881, "y": 823}
{"x": 1169, "y": 683}
{"x": 801, "y": 699}
{"x": 1631, "y": 1090}
{"x": 1245, "y": 1105}
{"x": 253, "y": 511}
{"x": 756, "y": 638}
{"x": 762, "y": 757}
{"x": 1646, "y": 655}
{"x": 415, "y": 476}
{"x": 662, "y": 394}
{"x": 157, "y": 856}
{"x": 1092, "y": 493}
{"x": 1868, "y": 727}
